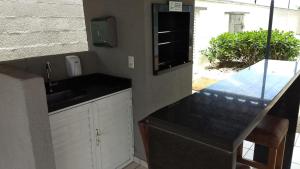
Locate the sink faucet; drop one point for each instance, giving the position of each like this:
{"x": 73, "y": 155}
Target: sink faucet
{"x": 49, "y": 71}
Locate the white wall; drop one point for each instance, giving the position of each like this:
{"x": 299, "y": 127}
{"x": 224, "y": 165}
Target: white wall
{"x": 24, "y": 123}
{"x": 213, "y": 21}
{"x": 150, "y": 93}
{"x": 41, "y": 27}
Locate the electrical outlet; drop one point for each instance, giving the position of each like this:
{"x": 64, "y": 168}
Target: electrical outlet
{"x": 131, "y": 62}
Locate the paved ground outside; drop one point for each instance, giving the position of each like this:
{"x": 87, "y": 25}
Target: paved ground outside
{"x": 205, "y": 74}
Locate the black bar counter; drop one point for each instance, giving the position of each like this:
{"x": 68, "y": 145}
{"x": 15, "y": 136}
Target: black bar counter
{"x": 204, "y": 130}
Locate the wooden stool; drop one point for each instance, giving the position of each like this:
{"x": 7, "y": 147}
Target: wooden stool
{"x": 271, "y": 133}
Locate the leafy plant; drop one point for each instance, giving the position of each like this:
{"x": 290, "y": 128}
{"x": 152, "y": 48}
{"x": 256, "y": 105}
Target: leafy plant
{"x": 250, "y": 47}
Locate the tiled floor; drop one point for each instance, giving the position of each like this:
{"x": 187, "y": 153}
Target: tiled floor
{"x": 248, "y": 151}
{"x": 134, "y": 165}
{"x": 296, "y": 155}
{"x": 298, "y": 125}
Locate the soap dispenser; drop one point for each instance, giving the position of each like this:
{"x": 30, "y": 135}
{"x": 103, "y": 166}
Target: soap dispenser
{"x": 73, "y": 66}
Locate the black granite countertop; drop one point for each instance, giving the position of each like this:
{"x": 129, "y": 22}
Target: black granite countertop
{"x": 84, "y": 88}
{"x": 223, "y": 114}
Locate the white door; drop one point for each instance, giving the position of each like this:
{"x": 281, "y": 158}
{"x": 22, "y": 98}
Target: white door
{"x": 114, "y": 119}
{"x": 236, "y": 23}
{"x": 73, "y": 140}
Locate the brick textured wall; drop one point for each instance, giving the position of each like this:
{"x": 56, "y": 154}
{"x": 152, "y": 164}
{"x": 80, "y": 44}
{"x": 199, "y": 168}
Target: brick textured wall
{"x": 30, "y": 28}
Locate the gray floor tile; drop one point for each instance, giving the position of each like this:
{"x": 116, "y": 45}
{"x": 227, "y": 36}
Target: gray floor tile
{"x": 252, "y": 148}
{"x": 141, "y": 167}
{"x": 247, "y": 144}
{"x": 295, "y": 166}
{"x": 296, "y": 155}
{"x": 249, "y": 155}
{"x": 298, "y": 142}
{"x": 298, "y": 125}
{"x": 296, "y": 137}
{"x": 245, "y": 150}
{"x": 132, "y": 165}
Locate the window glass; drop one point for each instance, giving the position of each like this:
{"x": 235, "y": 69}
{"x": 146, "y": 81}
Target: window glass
{"x": 295, "y": 4}
{"x": 236, "y": 23}
{"x": 289, "y": 4}
{"x": 229, "y": 35}
{"x": 243, "y": 1}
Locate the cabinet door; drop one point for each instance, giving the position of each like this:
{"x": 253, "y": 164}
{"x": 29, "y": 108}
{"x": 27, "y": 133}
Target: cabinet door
{"x": 72, "y": 138}
{"x": 114, "y": 119}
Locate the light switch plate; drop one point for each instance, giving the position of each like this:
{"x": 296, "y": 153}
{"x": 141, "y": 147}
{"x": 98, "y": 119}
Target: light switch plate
{"x": 131, "y": 62}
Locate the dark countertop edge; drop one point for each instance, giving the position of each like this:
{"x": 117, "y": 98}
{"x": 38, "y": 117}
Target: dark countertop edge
{"x": 58, "y": 108}
{"x": 265, "y": 111}
{"x": 126, "y": 84}
{"x": 190, "y": 138}
{"x": 188, "y": 133}
{"x": 55, "y": 111}
{"x": 235, "y": 143}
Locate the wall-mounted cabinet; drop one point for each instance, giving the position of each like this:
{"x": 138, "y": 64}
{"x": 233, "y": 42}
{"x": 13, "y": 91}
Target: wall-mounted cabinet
{"x": 104, "y": 32}
{"x": 172, "y": 37}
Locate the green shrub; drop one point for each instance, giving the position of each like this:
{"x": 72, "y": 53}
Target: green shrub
{"x": 249, "y": 47}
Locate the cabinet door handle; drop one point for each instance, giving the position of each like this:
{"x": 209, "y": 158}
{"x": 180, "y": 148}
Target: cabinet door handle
{"x": 97, "y": 140}
{"x": 98, "y": 132}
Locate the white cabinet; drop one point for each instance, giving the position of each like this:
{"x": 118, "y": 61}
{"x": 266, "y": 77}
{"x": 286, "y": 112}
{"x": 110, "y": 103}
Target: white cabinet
{"x": 113, "y": 116}
{"x": 96, "y": 135}
{"x": 72, "y": 138}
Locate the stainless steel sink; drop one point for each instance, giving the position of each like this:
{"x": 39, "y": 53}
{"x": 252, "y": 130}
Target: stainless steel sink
{"x": 68, "y": 92}
{"x": 66, "y": 95}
